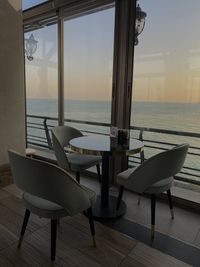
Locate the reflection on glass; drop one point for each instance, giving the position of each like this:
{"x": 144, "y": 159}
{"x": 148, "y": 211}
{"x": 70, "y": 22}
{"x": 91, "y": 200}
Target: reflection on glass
{"x": 42, "y": 73}
{"x": 31, "y": 3}
{"x": 88, "y": 63}
{"x": 166, "y": 78}
{"x": 42, "y": 79}
{"x": 166, "y": 84}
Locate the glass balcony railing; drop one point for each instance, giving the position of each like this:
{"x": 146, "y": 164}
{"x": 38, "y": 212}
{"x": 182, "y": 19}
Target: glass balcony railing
{"x": 155, "y": 141}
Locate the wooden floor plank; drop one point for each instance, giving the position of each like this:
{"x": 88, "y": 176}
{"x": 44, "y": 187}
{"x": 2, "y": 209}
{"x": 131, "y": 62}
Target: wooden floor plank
{"x": 27, "y": 256}
{"x": 130, "y": 262}
{"x": 103, "y": 254}
{"x": 16, "y": 205}
{"x": 75, "y": 258}
{"x": 121, "y": 243}
{"x": 13, "y": 190}
{"x": 70, "y": 238}
{"x": 5, "y": 262}
{"x": 41, "y": 240}
{"x": 13, "y": 221}
{"x": 4, "y": 194}
{"x": 7, "y": 238}
{"x": 66, "y": 254}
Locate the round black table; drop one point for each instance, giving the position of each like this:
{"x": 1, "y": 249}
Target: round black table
{"x": 106, "y": 147}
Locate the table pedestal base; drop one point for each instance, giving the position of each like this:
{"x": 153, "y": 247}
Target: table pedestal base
{"x": 110, "y": 212}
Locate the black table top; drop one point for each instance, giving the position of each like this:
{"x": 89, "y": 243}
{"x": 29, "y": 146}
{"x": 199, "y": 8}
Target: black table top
{"x": 101, "y": 145}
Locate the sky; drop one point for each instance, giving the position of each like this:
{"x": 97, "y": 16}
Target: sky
{"x": 88, "y": 59}
{"x": 166, "y": 65}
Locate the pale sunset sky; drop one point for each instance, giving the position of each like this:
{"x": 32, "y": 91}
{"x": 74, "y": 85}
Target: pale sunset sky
{"x": 167, "y": 58}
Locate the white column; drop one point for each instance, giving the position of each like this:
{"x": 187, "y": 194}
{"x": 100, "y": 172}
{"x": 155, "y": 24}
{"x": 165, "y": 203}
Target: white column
{"x": 12, "y": 96}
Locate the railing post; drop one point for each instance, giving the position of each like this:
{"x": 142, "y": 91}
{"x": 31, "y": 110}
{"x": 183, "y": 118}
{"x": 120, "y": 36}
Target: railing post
{"x": 142, "y": 152}
{"x": 47, "y": 134}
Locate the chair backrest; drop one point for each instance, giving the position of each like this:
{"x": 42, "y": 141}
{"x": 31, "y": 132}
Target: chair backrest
{"x": 49, "y": 182}
{"x": 65, "y": 133}
{"x": 61, "y": 135}
{"x": 60, "y": 153}
{"x": 163, "y": 165}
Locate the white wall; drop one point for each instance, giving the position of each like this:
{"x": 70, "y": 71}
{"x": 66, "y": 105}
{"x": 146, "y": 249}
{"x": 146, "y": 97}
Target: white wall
{"x": 12, "y": 100}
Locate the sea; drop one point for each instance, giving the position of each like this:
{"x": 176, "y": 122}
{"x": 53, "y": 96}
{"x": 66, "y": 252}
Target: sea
{"x": 171, "y": 116}
{"x": 183, "y": 117}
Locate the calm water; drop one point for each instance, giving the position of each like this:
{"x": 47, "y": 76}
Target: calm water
{"x": 172, "y": 116}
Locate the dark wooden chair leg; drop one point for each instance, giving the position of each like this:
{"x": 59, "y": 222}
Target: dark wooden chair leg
{"x": 78, "y": 177}
{"x": 98, "y": 172}
{"x": 25, "y": 222}
{"x": 53, "y": 238}
{"x": 92, "y": 228}
{"x": 153, "y": 209}
{"x": 170, "y": 203}
{"x": 121, "y": 190}
{"x": 142, "y": 156}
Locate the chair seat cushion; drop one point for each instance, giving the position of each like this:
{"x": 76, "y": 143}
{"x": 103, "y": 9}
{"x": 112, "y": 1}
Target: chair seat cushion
{"x": 80, "y": 162}
{"x": 156, "y": 188}
{"x": 160, "y": 186}
{"x": 42, "y": 207}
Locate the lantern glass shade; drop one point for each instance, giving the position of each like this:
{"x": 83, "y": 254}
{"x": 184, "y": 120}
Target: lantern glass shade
{"x": 31, "y": 47}
{"x": 139, "y": 22}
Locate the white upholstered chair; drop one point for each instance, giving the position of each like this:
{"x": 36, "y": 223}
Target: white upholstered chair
{"x": 50, "y": 192}
{"x": 153, "y": 177}
{"x": 61, "y": 135}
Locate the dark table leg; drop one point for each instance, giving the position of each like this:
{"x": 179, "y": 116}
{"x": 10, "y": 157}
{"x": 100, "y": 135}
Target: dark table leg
{"x": 105, "y": 182}
{"x": 105, "y": 206}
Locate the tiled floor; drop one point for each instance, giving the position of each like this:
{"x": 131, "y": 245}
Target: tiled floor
{"x": 185, "y": 227}
{"x": 73, "y": 242}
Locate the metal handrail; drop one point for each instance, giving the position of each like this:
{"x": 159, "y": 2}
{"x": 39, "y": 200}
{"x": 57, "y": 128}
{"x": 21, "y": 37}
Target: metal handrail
{"x": 165, "y": 131}
{"x": 45, "y": 140}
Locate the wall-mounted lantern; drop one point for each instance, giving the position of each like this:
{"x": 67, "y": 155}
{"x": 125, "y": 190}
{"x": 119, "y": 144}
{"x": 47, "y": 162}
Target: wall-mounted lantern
{"x": 139, "y": 22}
{"x": 30, "y": 47}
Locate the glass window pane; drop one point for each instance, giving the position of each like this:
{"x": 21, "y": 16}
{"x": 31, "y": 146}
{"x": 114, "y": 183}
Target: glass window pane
{"x": 88, "y": 63}
{"x": 166, "y": 84}
{"x": 166, "y": 79}
{"x": 42, "y": 82}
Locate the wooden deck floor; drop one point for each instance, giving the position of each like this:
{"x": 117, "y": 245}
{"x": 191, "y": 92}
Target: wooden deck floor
{"x": 74, "y": 245}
